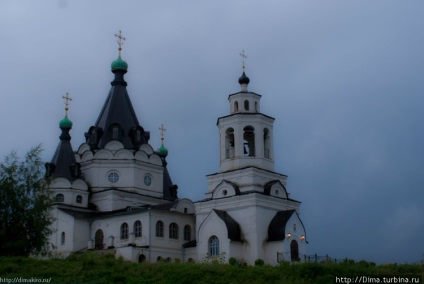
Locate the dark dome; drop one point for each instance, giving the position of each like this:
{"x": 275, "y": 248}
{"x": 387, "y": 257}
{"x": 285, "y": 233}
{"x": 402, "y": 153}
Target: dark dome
{"x": 243, "y": 80}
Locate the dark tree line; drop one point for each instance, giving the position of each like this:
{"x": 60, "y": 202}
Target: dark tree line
{"x": 25, "y": 204}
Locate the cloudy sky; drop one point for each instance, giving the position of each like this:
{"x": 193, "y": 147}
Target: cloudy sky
{"x": 343, "y": 79}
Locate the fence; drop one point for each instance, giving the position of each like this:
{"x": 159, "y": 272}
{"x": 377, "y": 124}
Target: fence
{"x": 286, "y": 256}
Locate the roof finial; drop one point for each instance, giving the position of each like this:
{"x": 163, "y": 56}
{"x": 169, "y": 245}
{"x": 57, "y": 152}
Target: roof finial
{"x": 162, "y": 133}
{"x": 120, "y": 41}
{"x": 67, "y": 99}
{"x": 243, "y": 57}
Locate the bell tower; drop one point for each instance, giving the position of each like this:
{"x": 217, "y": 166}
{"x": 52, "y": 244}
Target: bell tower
{"x": 246, "y": 133}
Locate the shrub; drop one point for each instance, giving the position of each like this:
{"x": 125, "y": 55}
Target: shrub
{"x": 259, "y": 262}
{"x": 232, "y": 261}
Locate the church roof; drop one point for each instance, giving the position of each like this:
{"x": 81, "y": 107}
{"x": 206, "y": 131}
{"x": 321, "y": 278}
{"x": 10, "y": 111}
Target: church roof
{"x": 117, "y": 119}
{"x": 233, "y": 228}
{"x": 277, "y": 227}
{"x": 63, "y": 163}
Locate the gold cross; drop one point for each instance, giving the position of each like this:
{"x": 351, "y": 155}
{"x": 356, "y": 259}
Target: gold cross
{"x": 120, "y": 41}
{"x": 67, "y": 99}
{"x": 243, "y": 57}
{"x": 162, "y": 132}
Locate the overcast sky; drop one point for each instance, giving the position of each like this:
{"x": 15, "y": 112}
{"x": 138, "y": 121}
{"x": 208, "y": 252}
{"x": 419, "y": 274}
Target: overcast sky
{"x": 343, "y": 79}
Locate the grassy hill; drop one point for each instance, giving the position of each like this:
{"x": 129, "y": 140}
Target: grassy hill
{"x": 92, "y": 268}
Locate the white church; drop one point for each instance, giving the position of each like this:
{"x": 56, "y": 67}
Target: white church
{"x": 115, "y": 194}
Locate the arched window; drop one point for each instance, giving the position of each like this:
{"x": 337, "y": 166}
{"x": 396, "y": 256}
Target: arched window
{"x": 60, "y": 197}
{"x": 79, "y": 199}
{"x": 159, "y": 229}
{"x": 124, "y": 231}
{"x": 173, "y": 231}
{"x": 246, "y": 105}
{"x": 213, "y": 246}
{"x": 137, "y": 229}
{"x": 114, "y": 132}
{"x": 62, "y": 238}
{"x": 98, "y": 240}
{"x": 256, "y": 106}
{"x": 249, "y": 141}
{"x": 229, "y": 143}
{"x": 187, "y": 233}
{"x": 266, "y": 143}
{"x": 236, "y": 109}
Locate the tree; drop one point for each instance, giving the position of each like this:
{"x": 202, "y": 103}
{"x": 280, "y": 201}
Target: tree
{"x": 25, "y": 203}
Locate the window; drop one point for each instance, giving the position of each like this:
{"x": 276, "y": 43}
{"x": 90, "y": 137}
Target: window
{"x": 236, "y": 107}
{"x": 246, "y": 105}
{"x": 113, "y": 177}
{"x": 147, "y": 180}
{"x": 137, "y": 229}
{"x": 187, "y": 233}
{"x": 79, "y": 199}
{"x": 115, "y": 132}
{"x": 229, "y": 143}
{"x": 159, "y": 229}
{"x": 249, "y": 141}
{"x": 213, "y": 246}
{"x": 62, "y": 238}
{"x": 173, "y": 231}
{"x": 267, "y": 143}
{"x": 60, "y": 198}
{"x": 294, "y": 227}
{"x": 124, "y": 231}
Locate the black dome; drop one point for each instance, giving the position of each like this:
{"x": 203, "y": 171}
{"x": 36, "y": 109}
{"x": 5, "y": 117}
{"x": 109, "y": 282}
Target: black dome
{"x": 243, "y": 79}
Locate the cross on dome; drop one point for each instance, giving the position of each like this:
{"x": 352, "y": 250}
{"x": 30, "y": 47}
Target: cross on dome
{"x": 162, "y": 132}
{"x": 243, "y": 57}
{"x": 120, "y": 41}
{"x": 67, "y": 98}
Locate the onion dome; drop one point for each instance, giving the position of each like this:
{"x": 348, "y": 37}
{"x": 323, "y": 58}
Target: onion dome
{"x": 119, "y": 64}
{"x": 65, "y": 123}
{"x": 243, "y": 80}
{"x": 162, "y": 151}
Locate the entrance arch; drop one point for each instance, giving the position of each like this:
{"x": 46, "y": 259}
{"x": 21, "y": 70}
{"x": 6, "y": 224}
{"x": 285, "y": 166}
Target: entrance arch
{"x": 141, "y": 258}
{"x": 98, "y": 240}
{"x": 294, "y": 250}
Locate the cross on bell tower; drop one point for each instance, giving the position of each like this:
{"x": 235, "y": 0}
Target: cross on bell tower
{"x": 243, "y": 57}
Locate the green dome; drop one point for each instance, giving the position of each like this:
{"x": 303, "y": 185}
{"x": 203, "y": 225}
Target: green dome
{"x": 119, "y": 64}
{"x": 65, "y": 122}
{"x": 163, "y": 151}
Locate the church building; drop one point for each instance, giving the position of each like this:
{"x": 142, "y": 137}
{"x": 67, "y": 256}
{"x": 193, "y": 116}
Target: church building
{"x": 115, "y": 194}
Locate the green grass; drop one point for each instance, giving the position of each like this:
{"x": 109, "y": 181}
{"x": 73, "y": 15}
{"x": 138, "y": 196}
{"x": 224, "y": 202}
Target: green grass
{"x": 92, "y": 268}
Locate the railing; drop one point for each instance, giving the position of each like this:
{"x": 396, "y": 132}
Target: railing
{"x": 286, "y": 256}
